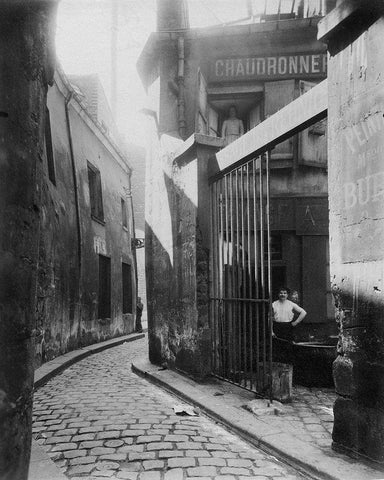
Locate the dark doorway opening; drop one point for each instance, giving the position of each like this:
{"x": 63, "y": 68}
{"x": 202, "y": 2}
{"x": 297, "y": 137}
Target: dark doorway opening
{"x": 104, "y": 287}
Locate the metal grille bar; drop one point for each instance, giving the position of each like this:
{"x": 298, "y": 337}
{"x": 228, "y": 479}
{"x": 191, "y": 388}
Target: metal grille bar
{"x": 241, "y": 277}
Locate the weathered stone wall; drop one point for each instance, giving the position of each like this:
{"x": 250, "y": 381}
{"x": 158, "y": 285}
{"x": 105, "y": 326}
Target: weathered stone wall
{"x": 356, "y": 188}
{"x": 67, "y": 294}
{"x": 178, "y": 261}
{"x": 26, "y": 36}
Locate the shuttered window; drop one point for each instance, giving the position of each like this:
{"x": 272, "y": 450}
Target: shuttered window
{"x": 95, "y": 193}
{"x": 278, "y": 95}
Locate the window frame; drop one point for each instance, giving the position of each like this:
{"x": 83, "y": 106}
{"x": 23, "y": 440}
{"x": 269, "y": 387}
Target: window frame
{"x": 95, "y": 193}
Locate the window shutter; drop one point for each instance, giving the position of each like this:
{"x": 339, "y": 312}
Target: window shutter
{"x": 313, "y": 140}
{"x": 277, "y": 95}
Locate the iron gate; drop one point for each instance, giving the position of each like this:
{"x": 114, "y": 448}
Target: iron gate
{"x": 241, "y": 277}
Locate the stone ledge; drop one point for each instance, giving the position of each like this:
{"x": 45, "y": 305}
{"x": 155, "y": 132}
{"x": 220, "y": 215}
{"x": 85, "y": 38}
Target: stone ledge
{"x": 342, "y": 18}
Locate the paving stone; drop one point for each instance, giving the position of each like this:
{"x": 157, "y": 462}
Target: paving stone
{"x": 132, "y": 466}
{"x": 260, "y": 477}
{"x": 66, "y": 431}
{"x": 107, "y": 466}
{"x": 150, "y": 476}
{"x": 58, "y": 439}
{"x": 127, "y": 475}
{"x": 181, "y": 462}
{"x": 117, "y": 457}
{"x": 190, "y": 446}
{"x": 53, "y": 422}
{"x": 159, "y": 445}
{"x": 176, "y": 438}
{"x": 205, "y": 471}
{"x": 64, "y": 446}
{"x": 104, "y": 474}
{"x": 235, "y": 462}
{"x": 233, "y": 471}
{"x": 116, "y": 426}
{"x": 83, "y": 437}
{"x": 114, "y": 443}
{"x": 219, "y": 462}
{"x": 91, "y": 444}
{"x": 82, "y": 460}
{"x": 102, "y": 451}
{"x": 141, "y": 456}
{"x": 132, "y": 433}
{"x": 56, "y": 456}
{"x": 175, "y": 474}
{"x": 80, "y": 469}
{"x": 153, "y": 464}
{"x": 148, "y": 438}
{"x": 107, "y": 435}
{"x": 78, "y": 424}
{"x": 75, "y": 453}
{"x": 215, "y": 446}
{"x": 130, "y": 448}
{"x": 169, "y": 453}
{"x": 197, "y": 453}
{"x": 221, "y": 454}
{"x": 157, "y": 432}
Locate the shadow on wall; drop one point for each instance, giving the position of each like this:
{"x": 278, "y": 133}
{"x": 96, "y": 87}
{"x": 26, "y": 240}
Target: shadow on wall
{"x": 177, "y": 279}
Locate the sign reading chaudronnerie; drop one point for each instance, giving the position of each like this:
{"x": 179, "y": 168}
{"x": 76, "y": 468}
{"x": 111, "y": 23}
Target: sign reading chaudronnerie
{"x": 267, "y": 67}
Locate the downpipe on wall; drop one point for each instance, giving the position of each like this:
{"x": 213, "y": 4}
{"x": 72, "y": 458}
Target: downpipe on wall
{"x": 181, "y": 87}
{"x": 77, "y": 203}
{"x": 133, "y": 240}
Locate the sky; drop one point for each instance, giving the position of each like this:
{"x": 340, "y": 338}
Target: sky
{"x": 83, "y": 45}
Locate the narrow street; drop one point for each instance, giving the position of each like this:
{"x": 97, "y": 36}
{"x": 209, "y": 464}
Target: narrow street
{"x": 99, "y": 420}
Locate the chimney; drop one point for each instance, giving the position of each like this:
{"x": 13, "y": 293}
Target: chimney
{"x": 172, "y": 15}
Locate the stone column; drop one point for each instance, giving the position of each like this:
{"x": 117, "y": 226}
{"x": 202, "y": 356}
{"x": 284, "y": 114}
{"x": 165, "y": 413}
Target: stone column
{"x": 26, "y": 30}
{"x": 354, "y": 33}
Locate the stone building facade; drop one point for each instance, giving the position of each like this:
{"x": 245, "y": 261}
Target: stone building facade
{"x": 354, "y": 32}
{"x": 86, "y": 288}
{"x": 193, "y": 76}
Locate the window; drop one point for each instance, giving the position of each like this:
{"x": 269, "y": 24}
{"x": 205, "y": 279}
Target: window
{"x": 277, "y": 95}
{"x": 124, "y": 217}
{"x": 49, "y": 148}
{"x": 95, "y": 193}
{"x": 127, "y": 288}
{"x": 104, "y": 287}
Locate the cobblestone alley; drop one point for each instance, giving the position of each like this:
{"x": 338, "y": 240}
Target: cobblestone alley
{"x": 99, "y": 420}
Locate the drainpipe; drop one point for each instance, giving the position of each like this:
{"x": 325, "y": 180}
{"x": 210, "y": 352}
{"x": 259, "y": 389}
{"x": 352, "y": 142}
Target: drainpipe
{"x": 180, "y": 81}
{"x": 77, "y": 203}
{"x": 133, "y": 240}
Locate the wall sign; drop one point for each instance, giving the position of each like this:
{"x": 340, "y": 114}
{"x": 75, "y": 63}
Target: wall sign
{"x": 272, "y": 67}
{"x": 312, "y": 216}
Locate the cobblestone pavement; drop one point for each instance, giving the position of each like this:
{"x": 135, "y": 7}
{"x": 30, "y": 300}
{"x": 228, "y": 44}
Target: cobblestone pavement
{"x": 309, "y": 416}
{"x": 99, "y": 420}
